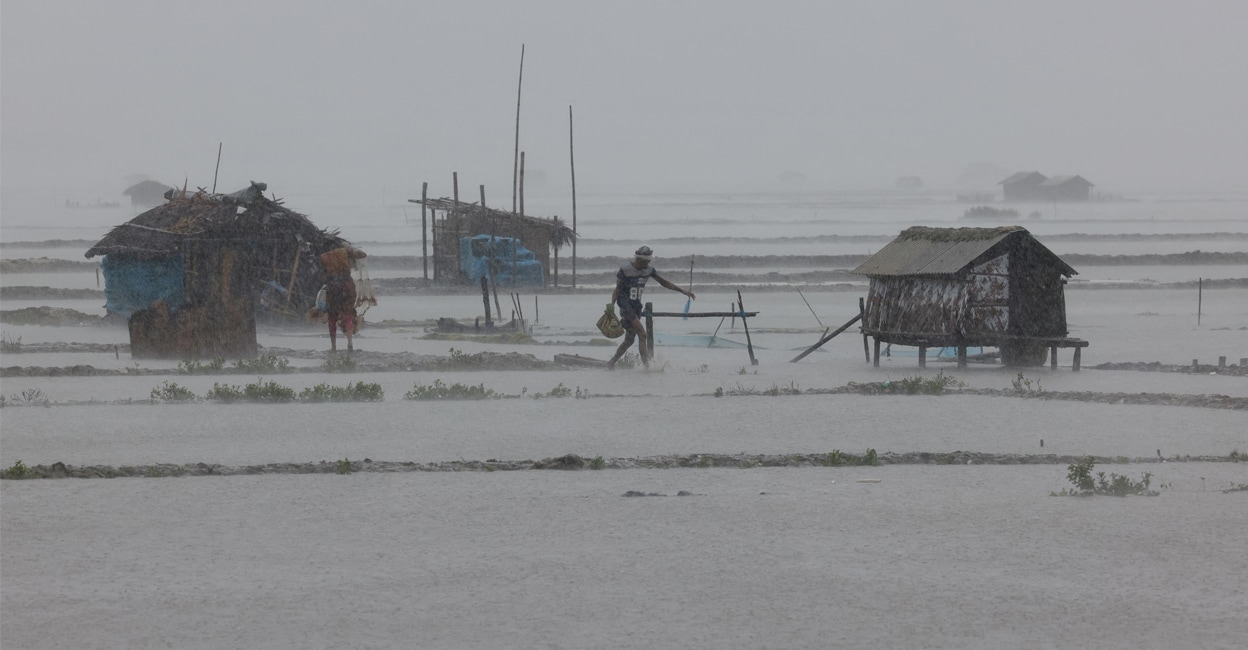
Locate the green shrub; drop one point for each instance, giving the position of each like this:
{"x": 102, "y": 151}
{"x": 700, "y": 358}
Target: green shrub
{"x": 558, "y": 391}
{"x": 1087, "y": 484}
{"x": 172, "y": 392}
{"x": 195, "y": 367}
{"x": 597, "y": 463}
{"x": 270, "y": 392}
{"x": 338, "y": 363}
{"x": 18, "y": 471}
{"x": 439, "y": 390}
{"x": 343, "y": 467}
{"x": 358, "y": 392}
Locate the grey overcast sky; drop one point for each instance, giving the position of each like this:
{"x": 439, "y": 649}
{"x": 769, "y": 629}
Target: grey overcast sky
{"x": 313, "y": 95}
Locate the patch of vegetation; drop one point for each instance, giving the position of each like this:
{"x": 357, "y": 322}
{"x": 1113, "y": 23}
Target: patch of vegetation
{"x": 562, "y": 391}
{"x": 597, "y": 463}
{"x": 10, "y": 345}
{"x": 719, "y": 391}
{"x": 266, "y": 363}
{"x": 836, "y": 458}
{"x": 1239, "y": 487}
{"x": 1024, "y": 384}
{"x": 338, "y": 363}
{"x": 28, "y": 397}
{"x": 1088, "y": 484}
{"x": 343, "y": 467}
{"x": 461, "y": 358}
{"x": 270, "y": 392}
{"x": 196, "y": 367}
{"x": 439, "y": 391}
{"x": 357, "y": 392}
{"x": 18, "y": 471}
{"x": 989, "y": 212}
{"x": 172, "y": 392}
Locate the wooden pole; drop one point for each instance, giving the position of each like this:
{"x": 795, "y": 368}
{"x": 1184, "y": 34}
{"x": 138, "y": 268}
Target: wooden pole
{"x": 522, "y": 183}
{"x": 424, "y": 229}
{"x": 749, "y": 345}
{"x": 862, "y": 315}
{"x": 572, "y": 164}
{"x": 485, "y": 298}
{"x": 515, "y": 244}
{"x": 482, "y": 195}
{"x": 217, "y": 169}
{"x": 515, "y": 163}
{"x": 825, "y": 339}
{"x": 1200, "y": 297}
{"x": 455, "y": 187}
{"x": 649, "y": 329}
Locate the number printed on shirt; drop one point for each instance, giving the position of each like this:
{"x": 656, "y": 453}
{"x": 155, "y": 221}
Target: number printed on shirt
{"x": 634, "y": 293}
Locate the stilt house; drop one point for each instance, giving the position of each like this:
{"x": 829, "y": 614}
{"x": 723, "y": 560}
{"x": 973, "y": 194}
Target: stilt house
{"x": 967, "y": 287}
{"x": 453, "y": 220}
{"x": 193, "y": 275}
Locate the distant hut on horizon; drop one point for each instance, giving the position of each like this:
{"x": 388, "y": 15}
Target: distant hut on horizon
{"x": 1067, "y": 188}
{"x": 146, "y": 194}
{"x": 190, "y": 275}
{"x": 968, "y": 287}
{"x": 1034, "y": 186}
{"x": 1024, "y": 186}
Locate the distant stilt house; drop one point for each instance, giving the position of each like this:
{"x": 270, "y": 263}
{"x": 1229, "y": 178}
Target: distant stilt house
{"x": 454, "y": 221}
{"x": 1024, "y": 186}
{"x": 969, "y": 287}
{"x": 1034, "y": 186}
{"x": 1066, "y": 188}
{"x": 193, "y": 275}
{"x": 146, "y": 194}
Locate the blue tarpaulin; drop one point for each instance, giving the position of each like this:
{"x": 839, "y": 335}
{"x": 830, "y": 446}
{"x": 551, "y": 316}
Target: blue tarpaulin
{"x": 132, "y": 284}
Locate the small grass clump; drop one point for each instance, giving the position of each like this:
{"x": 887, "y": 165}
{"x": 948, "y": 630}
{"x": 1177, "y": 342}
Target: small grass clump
{"x": 357, "y": 392}
{"x": 1025, "y": 384}
{"x": 1088, "y": 484}
{"x": 18, "y": 471}
{"x": 338, "y": 363}
{"x": 172, "y": 392}
{"x": 266, "y": 363}
{"x": 343, "y": 467}
{"x": 597, "y": 463}
{"x": 440, "y": 391}
{"x": 562, "y": 391}
{"x": 837, "y": 458}
{"x": 197, "y": 367}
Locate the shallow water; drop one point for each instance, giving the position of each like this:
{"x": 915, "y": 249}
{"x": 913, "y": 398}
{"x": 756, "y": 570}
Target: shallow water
{"x": 930, "y": 556}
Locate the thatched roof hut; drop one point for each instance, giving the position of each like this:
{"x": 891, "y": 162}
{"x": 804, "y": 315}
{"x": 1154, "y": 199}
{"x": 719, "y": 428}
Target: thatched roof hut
{"x": 193, "y": 274}
{"x": 968, "y": 287}
{"x": 542, "y": 236}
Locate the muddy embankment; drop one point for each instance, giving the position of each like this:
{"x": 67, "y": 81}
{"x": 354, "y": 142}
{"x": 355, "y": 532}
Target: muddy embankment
{"x": 574, "y": 462}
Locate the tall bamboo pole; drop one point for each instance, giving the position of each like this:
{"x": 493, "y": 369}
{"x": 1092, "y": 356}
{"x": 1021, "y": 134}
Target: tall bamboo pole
{"x": 515, "y": 161}
{"x": 572, "y": 164}
{"x": 217, "y": 169}
{"x": 424, "y": 229}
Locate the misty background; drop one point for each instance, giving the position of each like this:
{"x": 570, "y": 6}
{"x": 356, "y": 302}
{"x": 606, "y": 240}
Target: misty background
{"x": 330, "y": 101}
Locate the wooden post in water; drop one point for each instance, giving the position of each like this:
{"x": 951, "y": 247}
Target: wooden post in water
{"x": 649, "y": 311}
{"x": 749, "y": 345}
{"x": 485, "y": 298}
{"x": 1200, "y": 297}
{"x": 862, "y": 314}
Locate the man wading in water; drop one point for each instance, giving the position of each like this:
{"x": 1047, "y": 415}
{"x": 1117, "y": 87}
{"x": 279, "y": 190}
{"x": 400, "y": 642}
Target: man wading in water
{"x": 629, "y": 283}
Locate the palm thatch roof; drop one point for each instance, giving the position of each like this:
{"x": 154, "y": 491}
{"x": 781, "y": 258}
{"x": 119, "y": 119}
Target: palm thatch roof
{"x": 944, "y": 252}
{"x": 489, "y": 219}
{"x": 244, "y": 216}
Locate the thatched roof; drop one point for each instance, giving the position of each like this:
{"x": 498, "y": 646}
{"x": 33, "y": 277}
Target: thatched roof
{"x": 242, "y": 216}
{"x": 921, "y": 251}
{"x": 560, "y": 234}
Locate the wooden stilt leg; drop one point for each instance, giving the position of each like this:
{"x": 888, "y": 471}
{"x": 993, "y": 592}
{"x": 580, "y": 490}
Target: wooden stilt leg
{"x": 877, "y": 352}
{"x": 1053, "y": 357}
{"x": 922, "y": 356}
{"x": 1075, "y": 364}
{"x": 961, "y": 356}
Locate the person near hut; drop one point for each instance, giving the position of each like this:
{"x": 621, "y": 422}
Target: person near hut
{"x": 340, "y": 292}
{"x": 630, "y": 281}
